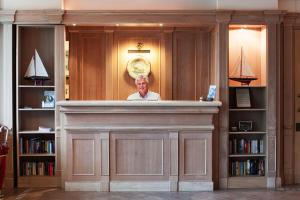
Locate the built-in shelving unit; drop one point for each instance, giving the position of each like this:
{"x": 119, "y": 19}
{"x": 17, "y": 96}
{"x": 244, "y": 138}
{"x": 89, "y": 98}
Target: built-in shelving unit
{"x": 247, "y": 146}
{"x": 36, "y": 145}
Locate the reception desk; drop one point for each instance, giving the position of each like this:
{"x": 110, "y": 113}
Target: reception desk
{"x": 136, "y": 146}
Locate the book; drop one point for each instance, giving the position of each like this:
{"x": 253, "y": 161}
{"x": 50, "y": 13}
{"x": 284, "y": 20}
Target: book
{"x": 48, "y": 99}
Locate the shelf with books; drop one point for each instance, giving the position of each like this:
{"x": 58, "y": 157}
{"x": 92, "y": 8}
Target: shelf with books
{"x": 35, "y": 105}
{"x": 247, "y": 108}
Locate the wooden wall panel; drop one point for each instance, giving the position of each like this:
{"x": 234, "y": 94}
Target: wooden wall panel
{"x": 87, "y": 65}
{"x": 180, "y": 62}
{"x": 84, "y": 156}
{"x": 194, "y": 148}
{"x": 126, "y": 40}
{"x": 191, "y": 64}
{"x": 139, "y": 156}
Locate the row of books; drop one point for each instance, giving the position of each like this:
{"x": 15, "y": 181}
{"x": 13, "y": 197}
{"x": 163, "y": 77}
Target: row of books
{"x": 247, "y": 167}
{"x": 36, "y": 145}
{"x": 37, "y": 169}
{"x": 244, "y": 146}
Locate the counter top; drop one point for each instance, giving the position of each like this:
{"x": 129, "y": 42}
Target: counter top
{"x": 140, "y": 103}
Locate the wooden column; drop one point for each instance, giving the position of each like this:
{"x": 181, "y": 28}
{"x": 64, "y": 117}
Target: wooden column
{"x": 222, "y": 73}
{"x": 59, "y": 89}
{"x": 288, "y": 104}
{"x": 272, "y": 98}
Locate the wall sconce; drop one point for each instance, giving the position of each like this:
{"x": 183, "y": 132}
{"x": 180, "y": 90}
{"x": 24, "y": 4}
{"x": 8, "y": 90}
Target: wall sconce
{"x": 139, "y": 49}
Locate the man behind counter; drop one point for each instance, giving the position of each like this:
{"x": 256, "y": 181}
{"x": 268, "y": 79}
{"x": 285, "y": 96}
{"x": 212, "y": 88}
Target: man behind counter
{"x": 143, "y": 94}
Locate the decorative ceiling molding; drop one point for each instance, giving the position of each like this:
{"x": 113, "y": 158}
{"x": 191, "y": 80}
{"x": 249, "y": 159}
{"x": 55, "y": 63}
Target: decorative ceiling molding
{"x": 39, "y": 16}
{"x": 7, "y": 16}
{"x": 170, "y": 18}
{"x": 140, "y": 18}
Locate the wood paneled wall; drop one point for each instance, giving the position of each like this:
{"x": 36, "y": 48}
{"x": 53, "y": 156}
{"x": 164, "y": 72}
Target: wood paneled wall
{"x": 87, "y": 64}
{"x": 180, "y": 62}
{"x": 191, "y": 64}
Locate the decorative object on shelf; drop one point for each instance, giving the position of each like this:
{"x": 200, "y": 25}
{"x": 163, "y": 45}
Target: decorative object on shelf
{"x": 45, "y": 129}
{"x": 36, "y": 70}
{"x": 245, "y": 126}
{"x": 137, "y": 66}
{"x": 67, "y": 73}
{"x": 234, "y": 128}
{"x": 48, "y": 99}
{"x": 211, "y": 94}
{"x": 139, "y": 49}
{"x": 242, "y": 72}
{"x": 243, "y": 98}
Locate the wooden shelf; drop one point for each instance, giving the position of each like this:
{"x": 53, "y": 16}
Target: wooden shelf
{"x": 248, "y": 86}
{"x": 37, "y": 155}
{"x": 247, "y": 109}
{"x": 36, "y": 132}
{"x": 246, "y": 155}
{"x": 38, "y": 181}
{"x": 253, "y": 181}
{"x": 36, "y": 109}
{"x": 36, "y": 86}
{"x": 248, "y": 133}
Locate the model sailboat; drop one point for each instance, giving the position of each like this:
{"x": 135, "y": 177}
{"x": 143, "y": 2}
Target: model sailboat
{"x": 36, "y": 70}
{"x": 242, "y": 72}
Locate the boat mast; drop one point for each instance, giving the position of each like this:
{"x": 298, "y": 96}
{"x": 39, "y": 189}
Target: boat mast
{"x": 241, "y": 64}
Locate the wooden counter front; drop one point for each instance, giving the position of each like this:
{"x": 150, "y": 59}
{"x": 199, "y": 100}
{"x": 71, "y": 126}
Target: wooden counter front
{"x": 137, "y": 146}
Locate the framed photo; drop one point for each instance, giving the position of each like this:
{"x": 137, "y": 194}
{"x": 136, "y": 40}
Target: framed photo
{"x": 211, "y": 92}
{"x": 48, "y": 99}
{"x": 245, "y": 126}
{"x": 242, "y": 98}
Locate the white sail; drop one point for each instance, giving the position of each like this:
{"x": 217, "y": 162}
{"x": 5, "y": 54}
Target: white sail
{"x": 30, "y": 69}
{"x": 241, "y": 67}
{"x": 36, "y": 68}
{"x": 39, "y": 66}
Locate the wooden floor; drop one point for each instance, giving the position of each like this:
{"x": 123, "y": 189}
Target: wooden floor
{"x": 289, "y": 193}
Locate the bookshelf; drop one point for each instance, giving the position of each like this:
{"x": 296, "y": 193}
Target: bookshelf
{"x": 36, "y": 135}
{"x": 247, "y": 134}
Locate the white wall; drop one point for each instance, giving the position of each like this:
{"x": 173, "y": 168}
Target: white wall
{"x": 31, "y": 4}
{"x": 6, "y": 75}
{"x": 289, "y": 5}
{"x": 139, "y": 4}
{"x": 1, "y": 75}
{"x": 247, "y": 4}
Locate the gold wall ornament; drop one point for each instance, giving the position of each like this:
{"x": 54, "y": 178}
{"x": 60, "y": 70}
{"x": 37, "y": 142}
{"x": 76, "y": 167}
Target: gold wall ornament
{"x": 137, "y": 66}
{"x": 139, "y": 49}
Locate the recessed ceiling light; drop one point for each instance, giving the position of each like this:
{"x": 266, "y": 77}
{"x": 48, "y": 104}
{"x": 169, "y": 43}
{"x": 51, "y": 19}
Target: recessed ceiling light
{"x": 160, "y": 24}
{"x": 74, "y": 24}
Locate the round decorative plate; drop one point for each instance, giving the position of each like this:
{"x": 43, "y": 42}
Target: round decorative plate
{"x": 138, "y": 65}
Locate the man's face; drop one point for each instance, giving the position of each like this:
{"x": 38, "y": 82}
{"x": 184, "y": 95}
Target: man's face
{"x": 142, "y": 87}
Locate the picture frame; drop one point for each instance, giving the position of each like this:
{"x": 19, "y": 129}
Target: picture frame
{"x": 211, "y": 92}
{"x": 48, "y": 99}
{"x": 243, "y": 98}
{"x": 245, "y": 126}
